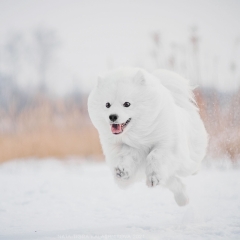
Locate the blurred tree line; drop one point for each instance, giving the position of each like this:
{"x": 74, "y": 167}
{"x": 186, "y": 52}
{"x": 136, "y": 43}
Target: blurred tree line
{"x": 29, "y": 57}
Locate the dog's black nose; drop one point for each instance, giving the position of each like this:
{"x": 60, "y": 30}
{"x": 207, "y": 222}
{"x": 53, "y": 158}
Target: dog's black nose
{"x": 113, "y": 117}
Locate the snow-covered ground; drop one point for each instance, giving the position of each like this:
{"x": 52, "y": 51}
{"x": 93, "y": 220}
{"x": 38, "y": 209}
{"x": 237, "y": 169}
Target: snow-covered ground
{"x": 53, "y": 199}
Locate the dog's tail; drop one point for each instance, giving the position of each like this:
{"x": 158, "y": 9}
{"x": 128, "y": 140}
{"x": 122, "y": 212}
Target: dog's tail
{"x": 179, "y": 88}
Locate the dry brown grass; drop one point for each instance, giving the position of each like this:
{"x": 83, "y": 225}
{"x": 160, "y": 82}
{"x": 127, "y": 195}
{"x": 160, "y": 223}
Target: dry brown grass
{"x": 47, "y": 129}
{"x": 222, "y": 124}
{"x": 50, "y": 143}
{"x": 50, "y": 128}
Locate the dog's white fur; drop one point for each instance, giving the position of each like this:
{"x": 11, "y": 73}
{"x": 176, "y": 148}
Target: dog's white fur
{"x": 165, "y": 138}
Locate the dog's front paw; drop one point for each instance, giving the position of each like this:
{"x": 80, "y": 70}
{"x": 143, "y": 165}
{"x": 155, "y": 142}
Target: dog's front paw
{"x": 153, "y": 180}
{"x": 122, "y": 172}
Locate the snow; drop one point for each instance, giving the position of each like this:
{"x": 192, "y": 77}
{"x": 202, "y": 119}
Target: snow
{"x": 73, "y": 199}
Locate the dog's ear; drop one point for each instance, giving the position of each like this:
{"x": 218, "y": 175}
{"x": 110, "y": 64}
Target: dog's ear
{"x": 139, "y": 78}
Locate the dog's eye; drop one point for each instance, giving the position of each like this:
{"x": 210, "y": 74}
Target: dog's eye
{"x": 108, "y": 105}
{"x": 126, "y": 104}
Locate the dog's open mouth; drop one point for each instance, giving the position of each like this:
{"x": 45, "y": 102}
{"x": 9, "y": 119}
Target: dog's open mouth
{"x": 118, "y": 128}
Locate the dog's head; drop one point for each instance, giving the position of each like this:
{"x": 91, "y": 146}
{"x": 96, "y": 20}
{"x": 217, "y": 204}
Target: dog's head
{"x": 121, "y": 101}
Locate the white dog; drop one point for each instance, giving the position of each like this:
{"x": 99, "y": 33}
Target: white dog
{"x": 148, "y": 123}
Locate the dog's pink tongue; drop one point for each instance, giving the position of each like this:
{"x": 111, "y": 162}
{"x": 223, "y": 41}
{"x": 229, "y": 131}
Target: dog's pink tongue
{"x": 116, "y": 128}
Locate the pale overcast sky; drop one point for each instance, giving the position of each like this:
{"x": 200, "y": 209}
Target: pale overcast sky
{"x": 97, "y": 35}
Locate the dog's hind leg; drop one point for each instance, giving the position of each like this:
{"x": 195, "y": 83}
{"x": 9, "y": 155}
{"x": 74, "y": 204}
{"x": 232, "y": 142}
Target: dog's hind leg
{"x": 160, "y": 165}
{"x": 175, "y": 185}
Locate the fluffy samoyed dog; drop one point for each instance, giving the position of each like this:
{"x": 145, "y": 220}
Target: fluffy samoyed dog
{"x": 149, "y": 126}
